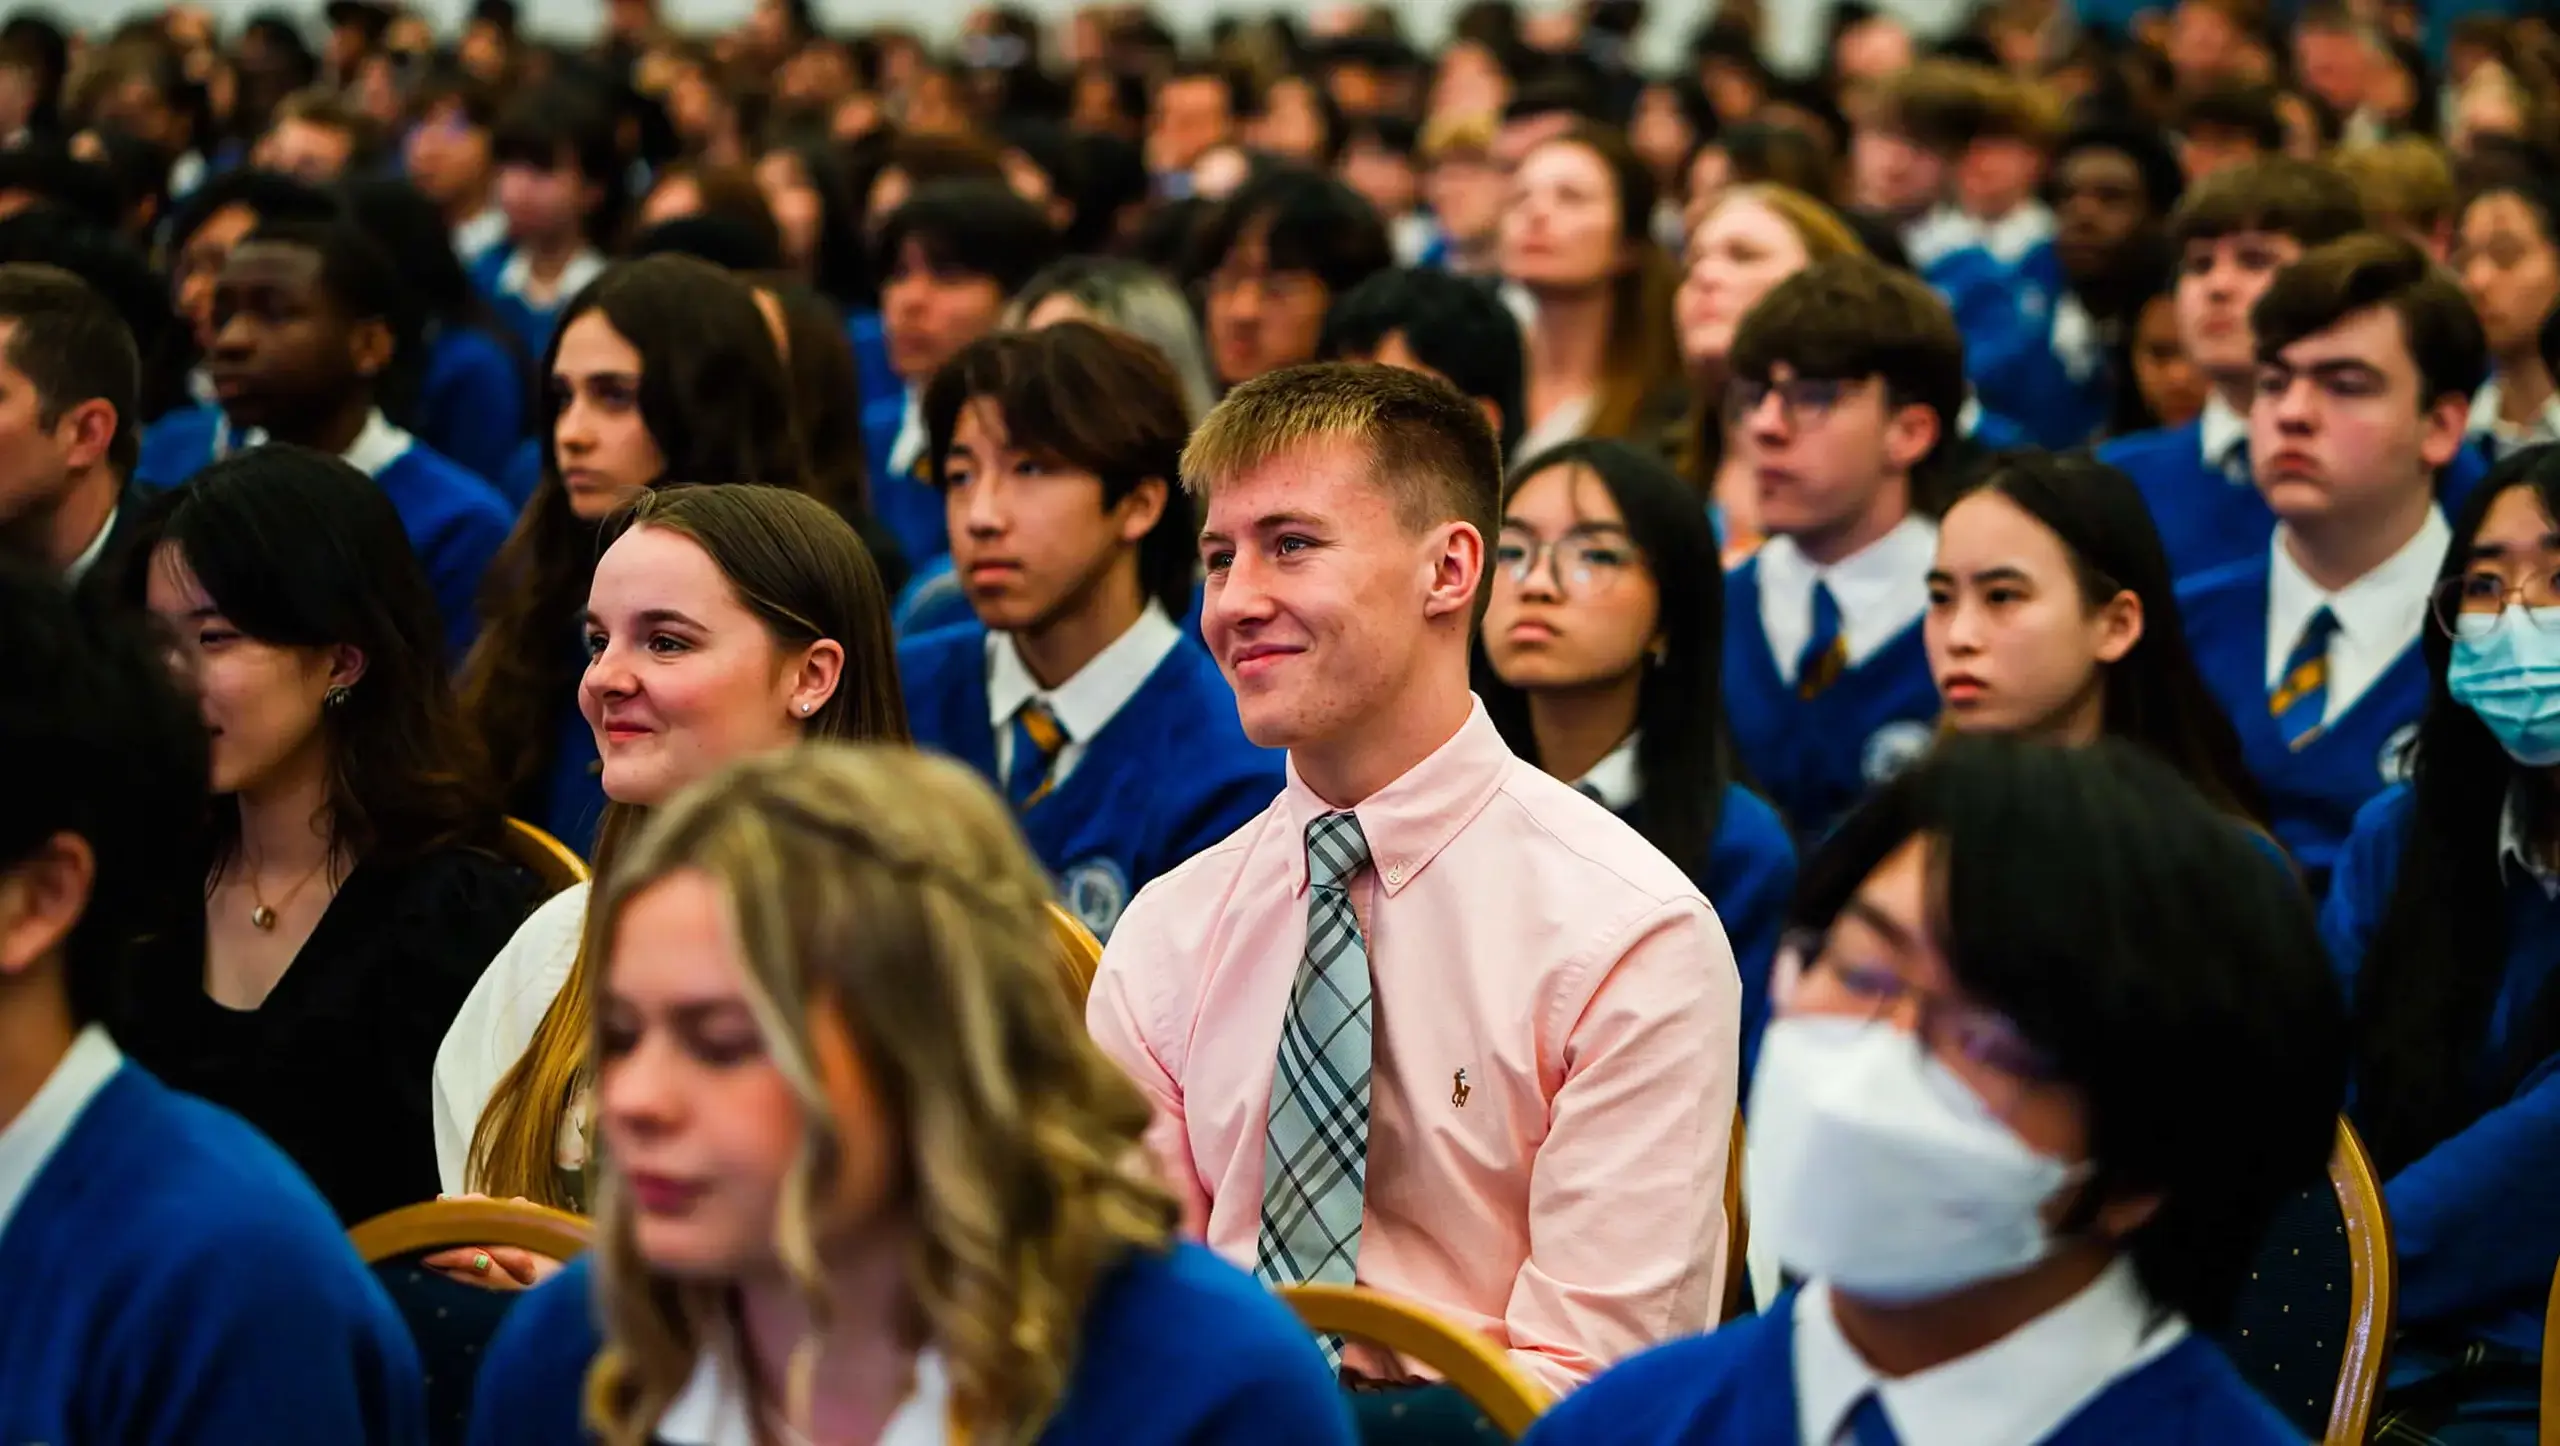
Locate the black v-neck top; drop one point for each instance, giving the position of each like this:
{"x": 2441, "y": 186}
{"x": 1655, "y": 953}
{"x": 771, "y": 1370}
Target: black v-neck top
{"x": 336, "y": 1064}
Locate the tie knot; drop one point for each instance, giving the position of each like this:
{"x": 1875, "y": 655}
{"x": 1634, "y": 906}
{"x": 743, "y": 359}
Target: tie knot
{"x": 1046, "y": 733}
{"x": 2322, "y": 625}
{"x": 1335, "y": 849}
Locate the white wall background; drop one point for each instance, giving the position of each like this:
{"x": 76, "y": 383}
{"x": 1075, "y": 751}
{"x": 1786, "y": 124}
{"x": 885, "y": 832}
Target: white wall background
{"x": 1795, "y": 27}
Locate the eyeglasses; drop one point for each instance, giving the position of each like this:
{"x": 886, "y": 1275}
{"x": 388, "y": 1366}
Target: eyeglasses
{"x": 1280, "y": 288}
{"x": 1802, "y": 401}
{"x": 1584, "y": 566}
{"x": 2470, "y": 606}
{"x": 1981, "y": 1047}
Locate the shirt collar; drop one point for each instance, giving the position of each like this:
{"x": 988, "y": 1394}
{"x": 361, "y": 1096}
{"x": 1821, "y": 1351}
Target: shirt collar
{"x": 1614, "y": 777}
{"x": 908, "y": 446}
{"x": 2386, "y": 606}
{"x": 2223, "y": 427}
{"x": 711, "y": 1411}
{"x": 1408, "y": 822}
{"x": 97, "y": 548}
{"x": 378, "y": 444}
{"x": 1099, "y": 689}
{"x": 516, "y": 277}
{"x": 28, "y": 1141}
{"x": 2515, "y": 843}
{"x": 476, "y": 236}
{"x": 2021, "y": 1387}
{"x": 2010, "y": 238}
{"x": 2503, "y": 438}
{"x": 1880, "y": 588}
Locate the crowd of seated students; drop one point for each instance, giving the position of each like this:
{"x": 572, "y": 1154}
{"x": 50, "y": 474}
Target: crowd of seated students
{"x": 1984, "y": 623}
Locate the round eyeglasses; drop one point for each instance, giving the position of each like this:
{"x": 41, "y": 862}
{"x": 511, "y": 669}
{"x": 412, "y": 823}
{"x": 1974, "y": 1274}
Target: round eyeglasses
{"x": 2470, "y": 606}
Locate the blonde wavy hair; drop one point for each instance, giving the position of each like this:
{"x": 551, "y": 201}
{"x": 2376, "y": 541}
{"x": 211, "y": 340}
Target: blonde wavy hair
{"x": 804, "y": 573}
{"x": 888, "y": 893}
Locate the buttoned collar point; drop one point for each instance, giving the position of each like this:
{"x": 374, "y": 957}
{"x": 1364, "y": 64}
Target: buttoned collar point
{"x": 1614, "y": 780}
{"x": 2222, "y": 429}
{"x": 1408, "y": 822}
{"x": 1097, "y": 692}
{"x": 2020, "y": 1388}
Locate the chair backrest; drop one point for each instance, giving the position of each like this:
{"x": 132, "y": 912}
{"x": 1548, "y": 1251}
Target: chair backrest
{"x": 1737, "y": 1233}
{"x": 1079, "y": 953}
{"x": 546, "y": 858}
{"x": 2313, "y": 1325}
{"x": 450, "y": 1320}
{"x": 2551, "y": 1367}
{"x": 1466, "y": 1360}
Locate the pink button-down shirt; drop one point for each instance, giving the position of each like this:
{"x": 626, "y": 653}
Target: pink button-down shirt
{"x": 1557, "y": 1021}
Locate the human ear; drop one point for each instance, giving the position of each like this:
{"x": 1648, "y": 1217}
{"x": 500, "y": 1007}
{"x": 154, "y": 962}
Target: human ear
{"x": 2120, "y": 624}
{"x": 42, "y": 897}
{"x": 1457, "y": 570}
{"x": 1909, "y": 434}
{"x": 814, "y": 680}
{"x": 1142, "y": 509}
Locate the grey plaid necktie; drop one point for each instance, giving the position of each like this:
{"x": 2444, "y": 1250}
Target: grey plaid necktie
{"x": 1316, "y": 1150}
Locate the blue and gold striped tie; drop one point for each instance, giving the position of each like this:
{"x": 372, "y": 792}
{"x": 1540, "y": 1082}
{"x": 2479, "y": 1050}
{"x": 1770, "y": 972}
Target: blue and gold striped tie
{"x": 2300, "y": 701}
{"x": 1037, "y": 737}
{"x": 1826, "y": 651}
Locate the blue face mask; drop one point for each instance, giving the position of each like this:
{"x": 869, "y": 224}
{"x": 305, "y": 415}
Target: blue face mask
{"x": 2510, "y": 676}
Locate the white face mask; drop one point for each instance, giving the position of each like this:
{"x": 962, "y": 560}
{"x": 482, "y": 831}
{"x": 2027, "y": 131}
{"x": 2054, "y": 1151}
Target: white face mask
{"x": 1871, "y": 1167}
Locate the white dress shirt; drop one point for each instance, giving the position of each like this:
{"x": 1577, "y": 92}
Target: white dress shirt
{"x": 2505, "y": 437}
{"x": 711, "y": 1411}
{"x": 2224, "y": 431}
{"x": 1566, "y": 421}
{"x": 1084, "y": 703}
{"x": 28, "y": 1141}
{"x": 473, "y": 238}
{"x": 493, "y": 1028}
{"x": 2379, "y": 614}
{"x": 88, "y": 559}
{"x": 2013, "y": 1392}
{"x": 516, "y": 277}
{"x": 910, "y": 441}
{"x": 1614, "y": 778}
{"x": 378, "y": 443}
{"x": 1881, "y": 589}
{"x": 2515, "y": 847}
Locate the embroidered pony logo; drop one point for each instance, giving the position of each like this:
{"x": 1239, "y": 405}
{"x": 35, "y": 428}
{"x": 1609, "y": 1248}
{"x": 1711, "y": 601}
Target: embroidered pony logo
{"x": 1458, "y": 1090}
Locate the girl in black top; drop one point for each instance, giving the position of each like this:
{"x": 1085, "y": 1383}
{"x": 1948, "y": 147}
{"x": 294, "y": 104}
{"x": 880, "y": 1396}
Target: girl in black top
{"x": 349, "y": 900}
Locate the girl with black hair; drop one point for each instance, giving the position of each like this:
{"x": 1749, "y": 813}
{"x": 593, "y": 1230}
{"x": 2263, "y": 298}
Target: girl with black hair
{"x": 350, "y": 899}
{"x": 2444, "y": 917}
{"x": 663, "y": 370}
{"x": 471, "y": 391}
{"x": 2054, "y": 1044}
{"x": 1602, "y": 662}
{"x": 2052, "y": 614}
{"x": 2508, "y": 256}
{"x": 811, "y": 198}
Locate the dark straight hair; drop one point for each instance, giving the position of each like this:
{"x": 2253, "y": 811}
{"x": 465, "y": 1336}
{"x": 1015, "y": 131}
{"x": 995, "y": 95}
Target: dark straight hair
{"x": 1683, "y": 756}
{"x": 2155, "y": 697}
{"x": 2207, "y": 1041}
{"x": 298, "y": 549}
{"x": 2431, "y": 978}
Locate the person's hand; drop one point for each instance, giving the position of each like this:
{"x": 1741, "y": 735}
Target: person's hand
{"x": 492, "y": 1267}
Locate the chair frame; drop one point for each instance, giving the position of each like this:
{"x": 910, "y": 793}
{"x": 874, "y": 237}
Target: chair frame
{"x": 1079, "y": 953}
{"x": 443, "y": 1224}
{"x": 556, "y": 864}
{"x": 1509, "y": 1398}
{"x": 2551, "y": 1367}
{"x": 2373, "y": 1283}
{"x": 1737, "y": 1232}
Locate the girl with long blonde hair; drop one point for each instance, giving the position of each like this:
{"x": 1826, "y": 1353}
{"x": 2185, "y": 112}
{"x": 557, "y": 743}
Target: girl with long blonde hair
{"x": 863, "y": 1176}
{"x": 723, "y": 621}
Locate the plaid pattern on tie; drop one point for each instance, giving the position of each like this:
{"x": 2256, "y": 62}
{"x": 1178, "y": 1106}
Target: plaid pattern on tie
{"x": 1826, "y": 652}
{"x": 2301, "y": 697}
{"x": 1037, "y": 737}
{"x": 1316, "y": 1148}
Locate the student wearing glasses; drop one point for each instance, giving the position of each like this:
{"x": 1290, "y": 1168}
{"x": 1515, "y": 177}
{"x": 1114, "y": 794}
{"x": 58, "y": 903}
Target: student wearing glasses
{"x": 1602, "y": 643}
{"x": 2014, "y": 1216}
{"x": 1846, "y": 380}
{"x": 2444, "y": 917}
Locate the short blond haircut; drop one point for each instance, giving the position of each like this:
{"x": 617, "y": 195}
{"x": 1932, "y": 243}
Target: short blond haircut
{"x": 2402, "y": 182}
{"x": 1456, "y": 137}
{"x": 1429, "y": 449}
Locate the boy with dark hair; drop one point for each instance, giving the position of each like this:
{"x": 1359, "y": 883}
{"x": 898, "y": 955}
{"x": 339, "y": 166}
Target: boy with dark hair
{"x": 1276, "y": 255}
{"x": 2367, "y": 358}
{"x": 449, "y": 158}
{"x": 310, "y": 327}
{"x": 2017, "y": 1217}
{"x": 560, "y": 183}
{"x": 317, "y": 139}
{"x": 68, "y": 376}
{"x": 1440, "y": 325}
{"x": 2226, "y": 126}
{"x": 1196, "y": 108}
{"x": 1847, "y": 380}
{"x": 172, "y": 1276}
{"x": 1074, "y": 689}
{"x": 948, "y": 260}
{"x": 2235, "y": 231}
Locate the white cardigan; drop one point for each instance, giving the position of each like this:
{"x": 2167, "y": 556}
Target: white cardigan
{"x": 497, "y": 1023}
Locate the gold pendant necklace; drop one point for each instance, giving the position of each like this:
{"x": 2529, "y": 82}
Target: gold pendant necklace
{"x": 263, "y": 918}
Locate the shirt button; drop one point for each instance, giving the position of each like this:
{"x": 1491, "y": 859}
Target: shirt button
{"x": 1395, "y": 874}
